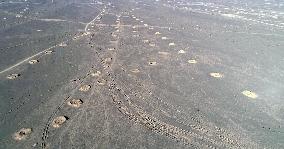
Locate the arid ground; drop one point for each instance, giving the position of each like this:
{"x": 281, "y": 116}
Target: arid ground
{"x": 141, "y": 74}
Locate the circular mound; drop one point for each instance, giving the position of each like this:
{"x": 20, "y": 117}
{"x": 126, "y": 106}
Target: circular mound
{"x": 85, "y": 88}
{"x": 158, "y": 33}
{"x": 181, "y": 52}
{"x": 152, "y": 63}
{"x": 48, "y": 52}
{"x": 63, "y": 44}
{"x": 96, "y": 74}
{"x": 146, "y": 41}
{"x": 163, "y": 53}
{"x": 22, "y": 134}
{"x": 111, "y": 49}
{"x": 108, "y": 60}
{"x": 76, "y": 103}
{"x": 13, "y": 76}
{"x": 192, "y": 61}
{"x": 135, "y": 70}
{"x": 216, "y": 75}
{"x": 101, "y": 82}
{"x": 33, "y": 61}
{"x": 250, "y": 94}
{"x": 58, "y": 121}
